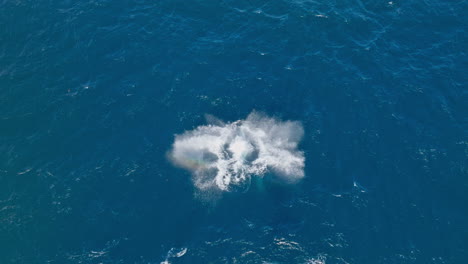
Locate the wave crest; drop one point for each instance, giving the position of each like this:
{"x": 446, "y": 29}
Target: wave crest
{"x": 224, "y": 155}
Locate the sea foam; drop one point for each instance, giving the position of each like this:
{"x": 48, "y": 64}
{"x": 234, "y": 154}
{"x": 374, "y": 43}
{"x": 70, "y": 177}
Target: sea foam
{"x": 226, "y": 155}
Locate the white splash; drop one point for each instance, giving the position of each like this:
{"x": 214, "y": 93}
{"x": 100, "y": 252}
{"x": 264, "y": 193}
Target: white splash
{"x": 174, "y": 253}
{"x": 224, "y": 155}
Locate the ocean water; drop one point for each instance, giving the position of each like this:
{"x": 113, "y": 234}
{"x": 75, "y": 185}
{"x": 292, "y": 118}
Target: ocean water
{"x": 206, "y": 131}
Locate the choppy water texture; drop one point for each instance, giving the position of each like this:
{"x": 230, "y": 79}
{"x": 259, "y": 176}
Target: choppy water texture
{"x": 96, "y": 95}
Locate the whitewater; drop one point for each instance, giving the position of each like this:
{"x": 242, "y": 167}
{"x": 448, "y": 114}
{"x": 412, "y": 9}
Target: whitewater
{"x": 227, "y": 155}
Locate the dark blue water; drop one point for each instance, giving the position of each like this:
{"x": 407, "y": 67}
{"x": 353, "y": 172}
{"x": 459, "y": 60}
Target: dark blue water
{"x": 93, "y": 92}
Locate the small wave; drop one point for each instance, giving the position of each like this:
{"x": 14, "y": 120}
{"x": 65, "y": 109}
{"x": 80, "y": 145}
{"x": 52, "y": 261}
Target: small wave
{"x": 227, "y": 155}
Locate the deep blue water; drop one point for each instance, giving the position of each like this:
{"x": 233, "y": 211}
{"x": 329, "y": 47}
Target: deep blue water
{"x": 93, "y": 92}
